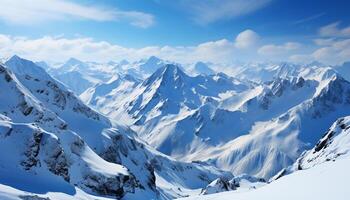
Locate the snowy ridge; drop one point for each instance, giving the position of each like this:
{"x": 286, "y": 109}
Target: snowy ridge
{"x": 335, "y": 143}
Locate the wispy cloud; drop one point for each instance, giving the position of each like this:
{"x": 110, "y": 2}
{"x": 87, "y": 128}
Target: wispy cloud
{"x": 333, "y": 30}
{"x": 209, "y": 11}
{"x": 89, "y": 49}
{"x": 247, "y": 46}
{"x": 310, "y": 18}
{"x": 332, "y": 46}
{"x": 274, "y": 50}
{"x": 26, "y": 12}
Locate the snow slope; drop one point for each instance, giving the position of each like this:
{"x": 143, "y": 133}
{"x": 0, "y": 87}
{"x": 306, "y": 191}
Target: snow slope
{"x": 320, "y": 173}
{"x": 323, "y": 182}
{"x": 114, "y": 90}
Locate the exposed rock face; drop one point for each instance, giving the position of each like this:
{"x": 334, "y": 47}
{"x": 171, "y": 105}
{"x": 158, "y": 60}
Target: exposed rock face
{"x": 219, "y": 185}
{"x": 32, "y": 197}
{"x": 56, "y": 159}
{"x": 32, "y": 151}
{"x": 124, "y": 149}
{"x": 334, "y": 143}
{"x": 110, "y": 186}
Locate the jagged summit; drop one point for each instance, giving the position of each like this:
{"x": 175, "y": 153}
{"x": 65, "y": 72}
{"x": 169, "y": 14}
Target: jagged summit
{"x": 203, "y": 68}
{"x": 168, "y": 73}
{"x": 73, "y": 61}
{"x": 23, "y": 67}
{"x": 151, "y": 65}
{"x": 73, "y": 64}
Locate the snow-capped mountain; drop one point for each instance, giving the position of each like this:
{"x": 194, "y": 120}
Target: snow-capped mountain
{"x": 262, "y": 72}
{"x": 344, "y": 70}
{"x": 109, "y": 92}
{"x": 202, "y": 68}
{"x": 243, "y": 127}
{"x": 150, "y": 65}
{"x": 79, "y": 76}
{"x": 57, "y": 139}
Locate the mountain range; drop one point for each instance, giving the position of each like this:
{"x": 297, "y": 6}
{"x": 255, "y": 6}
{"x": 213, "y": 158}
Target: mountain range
{"x": 155, "y": 129}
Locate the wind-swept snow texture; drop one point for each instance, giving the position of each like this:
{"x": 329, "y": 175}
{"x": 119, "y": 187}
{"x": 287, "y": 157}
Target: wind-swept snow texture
{"x": 320, "y": 173}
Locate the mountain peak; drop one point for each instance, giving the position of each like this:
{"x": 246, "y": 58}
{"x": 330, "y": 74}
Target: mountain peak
{"x": 73, "y": 61}
{"x": 23, "y": 66}
{"x": 166, "y": 73}
{"x": 15, "y": 57}
{"x": 153, "y": 59}
{"x": 203, "y": 68}
{"x": 171, "y": 70}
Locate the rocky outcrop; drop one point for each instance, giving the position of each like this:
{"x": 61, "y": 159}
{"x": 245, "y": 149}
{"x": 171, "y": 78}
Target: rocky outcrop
{"x": 219, "y": 185}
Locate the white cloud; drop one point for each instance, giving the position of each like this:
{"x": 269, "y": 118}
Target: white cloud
{"x": 333, "y": 30}
{"x": 246, "y": 39}
{"x": 89, "y": 49}
{"x": 333, "y": 46}
{"x": 336, "y": 52}
{"x": 330, "y": 51}
{"x": 275, "y": 50}
{"x": 301, "y": 58}
{"x": 323, "y": 42}
{"x": 26, "y": 12}
{"x": 243, "y": 48}
{"x": 209, "y": 11}
{"x": 84, "y": 48}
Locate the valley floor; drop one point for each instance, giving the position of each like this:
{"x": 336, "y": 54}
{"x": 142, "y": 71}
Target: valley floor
{"x": 329, "y": 180}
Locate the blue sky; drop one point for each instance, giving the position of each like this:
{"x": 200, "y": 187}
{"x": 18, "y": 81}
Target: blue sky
{"x": 269, "y": 29}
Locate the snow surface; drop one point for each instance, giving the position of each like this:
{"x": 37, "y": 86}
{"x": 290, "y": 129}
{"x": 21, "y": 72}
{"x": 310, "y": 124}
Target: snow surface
{"x": 323, "y": 182}
{"x": 319, "y": 173}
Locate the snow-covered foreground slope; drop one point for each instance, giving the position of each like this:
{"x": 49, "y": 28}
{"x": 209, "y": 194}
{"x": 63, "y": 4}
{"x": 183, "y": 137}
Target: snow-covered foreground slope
{"x": 320, "y": 173}
{"x": 327, "y": 181}
{"x": 56, "y": 139}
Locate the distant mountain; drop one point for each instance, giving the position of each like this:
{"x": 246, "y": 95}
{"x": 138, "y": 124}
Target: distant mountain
{"x": 151, "y": 65}
{"x": 79, "y": 76}
{"x": 109, "y": 93}
{"x": 344, "y": 70}
{"x": 43, "y": 65}
{"x": 203, "y": 68}
{"x": 262, "y": 72}
{"x": 76, "y": 81}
